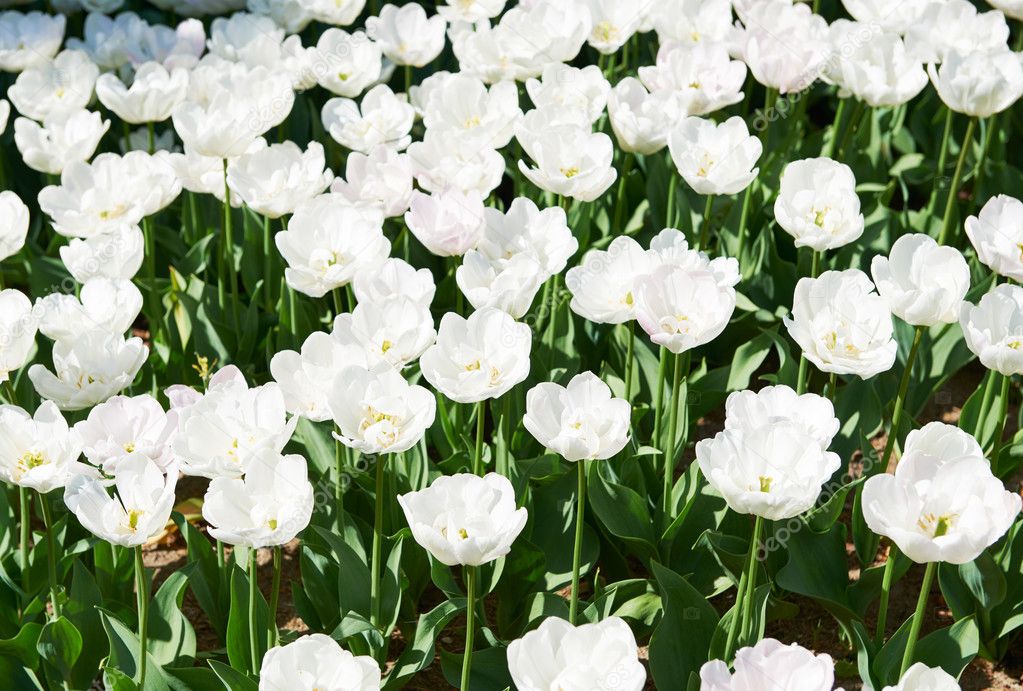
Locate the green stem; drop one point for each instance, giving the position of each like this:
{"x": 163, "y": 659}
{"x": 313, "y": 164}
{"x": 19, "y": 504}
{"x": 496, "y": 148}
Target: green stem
{"x": 832, "y": 387}
{"x": 670, "y": 447}
{"x": 267, "y": 266}
{"x": 669, "y": 214}
{"x": 918, "y": 617}
{"x": 253, "y": 589}
{"x": 770, "y": 96}
{"x": 836, "y": 127}
{"x": 339, "y": 469}
{"x": 477, "y": 456}
{"x": 946, "y": 135}
{"x": 152, "y": 137}
{"x": 142, "y": 604}
{"x": 51, "y": 554}
{"x": 804, "y": 364}
{"x": 378, "y": 538}
{"x": 25, "y": 501}
{"x": 627, "y": 160}
{"x": 953, "y": 190}
{"x": 900, "y": 399}
{"x": 886, "y": 589}
{"x": 552, "y": 324}
{"x": 1003, "y": 410}
{"x": 737, "y": 610}
{"x": 743, "y": 219}
{"x": 152, "y": 297}
{"x": 662, "y": 373}
{"x": 408, "y": 78}
{"x": 851, "y": 128}
{"x": 704, "y": 239}
{"x": 751, "y": 582}
{"x": 275, "y": 594}
{"x": 506, "y": 434}
{"x": 577, "y": 550}
{"x": 228, "y": 250}
{"x": 470, "y": 624}
{"x": 628, "y": 359}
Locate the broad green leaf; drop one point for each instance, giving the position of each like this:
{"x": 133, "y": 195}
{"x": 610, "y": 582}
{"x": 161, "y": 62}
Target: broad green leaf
{"x": 681, "y": 642}
{"x": 59, "y": 646}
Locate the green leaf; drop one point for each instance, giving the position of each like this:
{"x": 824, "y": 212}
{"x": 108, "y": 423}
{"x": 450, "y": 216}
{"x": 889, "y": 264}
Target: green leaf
{"x": 984, "y": 579}
{"x": 81, "y": 609}
{"x": 232, "y": 678}
{"x": 622, "y": 511}
{"x": 489, "y": 669}
{"x": 124, "y": 654}
{"x": 950, "y": 648}
{"x": 420, "y": 652}
{"x": 238, "y": 650}
{"x": 681, "y": 642}
{"x": 206, "y": 580}
{"x": 59, "y": 646}
{"x": 23, "y": 646}
{"x": 171, "y": 638}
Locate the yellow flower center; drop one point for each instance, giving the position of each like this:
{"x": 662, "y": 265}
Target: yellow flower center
{"x": 385, "y": 346}
{"x": 30, "y": 460}
{"x": 765, "y": 484}
{"x": 133, "y": 519}
{"x": 129, "y": 447}
{"x": 570, "y": 172}
{"x": 936, "y": 526}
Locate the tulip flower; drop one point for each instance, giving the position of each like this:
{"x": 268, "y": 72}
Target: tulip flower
{"x": 89, "y": 369}
{"x": 347, "y": 63}
{"x": 463, "y": 106}
{"x": 153, "y": 95}
{"x": 124, "y": 425}
{"x": 996, "y": 234}
{"x": 564, "y": 88}
{"x": 441, "y": 162}
{"x": 328, "y": 242}
{"x": 30, "y": 39}
{"x": 604, "y": 285}
{"x": 139, "y": 509}
{"x": 509, "y": 285}
{"x": 381, "y": 179}
{"x": 682, "y": 308}
{"x": 14, "y": 224}
{"x": 55, "y": 88}
{"x": 448, "y": 224}
{"x": 306, "y": 377}
{"x": 317, "y": 659}
{"x": 955, "y": 26}
{"x": 470, "y": 10}
{"x": 405, "y": 34}
{"x": 381, "y": 119}
{"x": 770, "y": 664}
{"x": 394, "y": 278}
{"x": 524, "y": 228}
{"x": 277, "y": 179}
{"x": 702, "y": 76}
{"x": 923, "y": 283}
{"x": 468, "y": 520}
{"x": 920, "y": 677}
{"x": 817, "y": 204}
{"x": 114, "y": 255}
{"x": 394, "y": 331}
{"x": 993, "y": 329}
{"x": 842, "y": 325}
{"x": 641, "y": 120}
{"x": 570, "y": 161}
{"x": 17, "y": 332}
{"x": 715, "y": 159}
{"x": 784, "y": 44}
{"x": 558, "y": 655}
{"x": 37, "y": 451}
{"x": 978, "y": 84}
{"x": 875, "y": 66}
{"x": 105, "y": 305}
{"x": 51, "y": 147}
{"x": 897, "y": 19}
{"x": 746, "y": 411}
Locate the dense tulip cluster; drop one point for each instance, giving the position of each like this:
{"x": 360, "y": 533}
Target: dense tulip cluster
{"x": 357, "y": 284}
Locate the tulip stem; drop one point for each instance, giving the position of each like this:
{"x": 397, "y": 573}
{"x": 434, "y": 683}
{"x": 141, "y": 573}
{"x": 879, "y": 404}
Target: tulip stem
{"x": 942, "y": 157}
{"x": 151, "y": 131}
{"x": 228, "y": 251}
{"x": 1003, "y": 410}
{"x": 953, "y": 190}
{"x": 470, "y": 624}
{"x": 339, "y": 469}
{"x": 25, "y": 500}
{"x": 804, "y": 364}
{"x": 577, "y": 550}
{"x": 658, "y": 402}
{"x": 704, "y": 238}
{"x": 142, "y": 604}
{"x": 850, "y": 130}
{"x": 552, "y": 324}
{"x": 836, "y": 127}
{"x": 51, "y": 553}
{"x": 267, "y": 265}
{"x": 506, "y": 435}
{"x": 750, "y": 596}
{"x": 832, "y": 387}
{"x": 886, "y": 589}
{"x": 629, "y": 355}
{"x": 378, "y": 530}
{"x": 275, "y": 593}
{"x": 669, "y": 213}
{"x": 737, "y": 610}
{"x": 900, "y": 399}
{"x": 918, "y": 617}
{"x": 627, "y": 160}
{"x": 671, "y": 446}
{"x": 477, "y": 456}
{"x": 743, "y": 216}
{"x": 253, "y": 589}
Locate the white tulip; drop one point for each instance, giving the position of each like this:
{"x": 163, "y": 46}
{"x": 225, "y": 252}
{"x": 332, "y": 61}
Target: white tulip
{"x": 770, "y": 664}
{"x": 381, "y": 179}
{"x": 581, "y": 421}
{"x": 470, "y": 11}
{"x": 479, "y": 357}
{"x": 920, "y": 677}
{"x": 993, "y": 329}
{"x": 524, "y": 228}
{"x": 561, "y": 87}
{"x": 382, "y": 119}
{"x": 702, "y": 76}
{"x": 948, "y": 512}
{"x": 55, "y": 88}
{"x": 784, "y": 44}
{"x": 1010, "y": 8}
{"x": 692, "y": 21}
{"x": 306, "y": 377}
{"x": 441, "y": 162}
{"x": 37, "y": 451}
{"x": 116, "y": 254}
{"x": 345, "y": 64}
{"x": 124, "y": 425}
{"x": 641, "y": 121}
{"x": 29, "y": 39}
{"x": 335, "y": 13}
{"x": 49, "y": 148}
{"x": 465, "y": 519}
{"x": 670, "y": 247}
{"x": 14, "y": 218}
{"x": 105, "y": 305}
{"x": 463, "y": 106}
{"x": 681, "y": 308}
{"x": 569, "y": 160}
{"x": 603, "y": 286}
{"x": 449, "y": 223}
{"x": 924, "y": 283}
{"x": 328, "y": 242}
{"x": 394, "y": 331}
{"x": 746, "y": 411}
{"x": 244, "y": 37}
{"x": 318, "y": 659}
{"x": 406, "y": 35}
{"x": 874, "y": 66}
{"x": 817, "y": 204}
{"x": 275, "y": 180}
{"x": 268, "y": 508}
{"x": 378, "y": 412}
{"x": 614, "y": 23}
{"x": 978, "y": 83}
{"x": 140, "y": 508}
{"x": 715, "y": 159}
{"x": 393, "y": 278}
{"x": 557, "y": 655}
{"x": 18, "y": 327}
{"x": 153, "y": 95}
{"x": 842, "y": 325}
{"x": 89, "y": 369}
{"x": 996, "y": 234}
{"x": 895, "y": 18}
{"x": 509, "y": 285}
{"x": 952, "y": 26}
